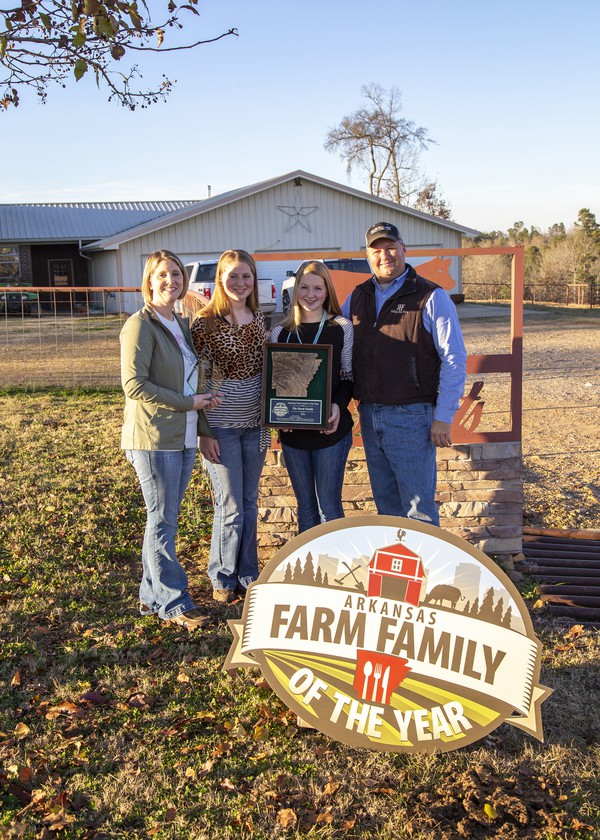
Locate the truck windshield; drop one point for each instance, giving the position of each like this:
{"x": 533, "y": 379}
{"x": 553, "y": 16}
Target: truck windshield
{"x": 205, "y": 273}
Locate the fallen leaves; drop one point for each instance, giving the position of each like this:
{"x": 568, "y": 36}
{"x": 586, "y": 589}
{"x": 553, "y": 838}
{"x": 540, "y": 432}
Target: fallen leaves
{"x": 138, "y": 700}
{"x": 227, "y": 784}
{"x": 55, "y": 812}
{"x": 94, "y": 698}
{"x": 577, "y": 639}
{"x": 286, "y": 817}
{"x": 58, "y": 821}
{"x": 21, "y": 795}
{"x": 65, "y": 708}
{"x": 331, "y": 788}
{"x": 25, "y": 775}
{"x": 481, "y": 797}
{"x": 577, "y": 825}
{"x": 238, "y": 731}
{"x": 22, "y": 731}
{"x": 206, "y": 768}
{"x": 170, "y": 817}
{"x": 325, "y": 817}
{"x": 222, "y": 748}
{"x": 490, "y": 811}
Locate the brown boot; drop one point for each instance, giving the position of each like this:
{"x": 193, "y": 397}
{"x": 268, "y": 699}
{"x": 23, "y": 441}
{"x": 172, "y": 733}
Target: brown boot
{"x": 191, "y": 620}
{"x": 224, "y": 596}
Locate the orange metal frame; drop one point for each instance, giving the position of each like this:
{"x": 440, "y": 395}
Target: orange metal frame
{"x": 511, "y": 363}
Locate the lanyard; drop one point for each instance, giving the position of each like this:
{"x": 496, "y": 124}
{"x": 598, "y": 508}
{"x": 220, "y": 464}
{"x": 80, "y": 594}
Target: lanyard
{"x": 319, "y": 331}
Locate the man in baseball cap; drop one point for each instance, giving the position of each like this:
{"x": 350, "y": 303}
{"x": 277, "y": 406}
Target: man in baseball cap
{"x": 382, "y": 230}
{"x": 409, "y": 369}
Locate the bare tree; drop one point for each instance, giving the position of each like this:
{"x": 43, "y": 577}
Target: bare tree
{"x": 383, "y": 145}
{"x": 55, "y": 41}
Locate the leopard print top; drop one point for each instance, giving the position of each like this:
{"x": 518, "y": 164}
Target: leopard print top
{"x": 236, "y": 348}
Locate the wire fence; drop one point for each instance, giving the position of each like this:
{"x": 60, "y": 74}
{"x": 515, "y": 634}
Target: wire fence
{"x": 64, "y": 337}
{"x": 563, "y": 294}
{"x": 70, "y": 336}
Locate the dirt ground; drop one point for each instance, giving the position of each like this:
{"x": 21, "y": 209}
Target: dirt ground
{"x": 561, "y": 410}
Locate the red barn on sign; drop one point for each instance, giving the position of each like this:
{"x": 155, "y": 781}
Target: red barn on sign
{"x": 397, "y": 573}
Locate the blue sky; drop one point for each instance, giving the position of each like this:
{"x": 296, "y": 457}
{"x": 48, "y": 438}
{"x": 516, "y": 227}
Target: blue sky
{"x": 509, "y": 92}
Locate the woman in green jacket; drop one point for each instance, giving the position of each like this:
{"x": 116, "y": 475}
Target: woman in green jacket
{"x": 163, "y": 418}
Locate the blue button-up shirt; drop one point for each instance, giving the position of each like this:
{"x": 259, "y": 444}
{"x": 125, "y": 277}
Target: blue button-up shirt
{"x": 441, "y": 321}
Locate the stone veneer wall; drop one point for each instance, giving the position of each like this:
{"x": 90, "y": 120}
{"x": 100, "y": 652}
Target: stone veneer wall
{"x": 480, "y": 491}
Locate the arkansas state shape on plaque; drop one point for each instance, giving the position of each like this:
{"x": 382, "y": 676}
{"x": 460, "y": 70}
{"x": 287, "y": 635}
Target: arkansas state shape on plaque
{"x": 390, "y": 634}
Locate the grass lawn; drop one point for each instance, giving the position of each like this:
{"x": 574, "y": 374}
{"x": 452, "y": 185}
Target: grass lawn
{"x": 117, "y": 726}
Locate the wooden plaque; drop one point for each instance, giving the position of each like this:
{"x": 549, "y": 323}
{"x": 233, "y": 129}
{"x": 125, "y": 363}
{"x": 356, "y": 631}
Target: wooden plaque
{"x": 296, "y": 386}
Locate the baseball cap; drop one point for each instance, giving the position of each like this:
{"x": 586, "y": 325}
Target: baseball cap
{"x": 382, "y": 230}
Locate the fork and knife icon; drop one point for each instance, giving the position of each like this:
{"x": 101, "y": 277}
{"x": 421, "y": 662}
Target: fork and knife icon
{"x": 376, "y": 672}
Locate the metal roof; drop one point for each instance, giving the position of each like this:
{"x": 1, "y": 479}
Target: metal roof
{"x": 75, "y": 221}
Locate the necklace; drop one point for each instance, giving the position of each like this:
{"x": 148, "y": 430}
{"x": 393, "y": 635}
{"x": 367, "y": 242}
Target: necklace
{"x": 319, "y": 331}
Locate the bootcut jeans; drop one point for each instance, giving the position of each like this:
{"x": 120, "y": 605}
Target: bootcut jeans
{"x": 317, "y": 477}
{"x": 233, "y": 559}
{"x": 401, "y": 459}
{"x": 164, "y": 476}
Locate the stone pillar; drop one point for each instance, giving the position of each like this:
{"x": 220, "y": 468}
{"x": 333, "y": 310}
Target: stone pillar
{"x": 480, "y": 491}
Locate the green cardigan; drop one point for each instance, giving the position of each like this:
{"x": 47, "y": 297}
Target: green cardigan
{"x": 152, "y": 378}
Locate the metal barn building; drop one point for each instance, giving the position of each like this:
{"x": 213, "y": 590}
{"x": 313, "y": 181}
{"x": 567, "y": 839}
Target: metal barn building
{"x": 296, "y": 212}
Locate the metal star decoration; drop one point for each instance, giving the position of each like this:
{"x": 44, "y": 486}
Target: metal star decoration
{"x": 298, "y": 215}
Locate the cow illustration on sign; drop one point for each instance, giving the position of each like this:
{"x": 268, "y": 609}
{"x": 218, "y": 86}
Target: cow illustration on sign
{"x": 444, "y": 592}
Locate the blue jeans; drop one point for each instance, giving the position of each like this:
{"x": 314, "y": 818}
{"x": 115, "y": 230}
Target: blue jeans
{"x": 164, "y": 477}
{"x": 401, "y": 459}
{"x": 317, "y": 477}
{"x": 233, "y": 556}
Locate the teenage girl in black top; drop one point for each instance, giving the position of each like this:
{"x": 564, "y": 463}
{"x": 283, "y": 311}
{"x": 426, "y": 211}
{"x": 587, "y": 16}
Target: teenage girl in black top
{"x": 316, "y": 460}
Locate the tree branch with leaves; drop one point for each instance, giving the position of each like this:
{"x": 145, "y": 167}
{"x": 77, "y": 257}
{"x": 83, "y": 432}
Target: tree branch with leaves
{"x": 43, "y": 42}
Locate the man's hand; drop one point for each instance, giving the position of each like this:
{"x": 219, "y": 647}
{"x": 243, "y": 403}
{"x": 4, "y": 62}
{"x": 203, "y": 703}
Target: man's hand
{"x": 440, "y": 433}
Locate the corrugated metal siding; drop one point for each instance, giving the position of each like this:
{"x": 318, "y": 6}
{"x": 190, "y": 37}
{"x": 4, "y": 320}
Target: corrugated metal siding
{"x": 44, "y": 222}
{"x": 105, "y": 269}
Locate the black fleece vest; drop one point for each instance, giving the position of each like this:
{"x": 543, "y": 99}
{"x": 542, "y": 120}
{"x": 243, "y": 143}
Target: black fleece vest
{"x": 394, "y": 359}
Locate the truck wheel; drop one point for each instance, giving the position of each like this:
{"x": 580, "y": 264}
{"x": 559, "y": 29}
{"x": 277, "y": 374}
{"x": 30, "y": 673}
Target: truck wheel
{"x": 285, "y": 301}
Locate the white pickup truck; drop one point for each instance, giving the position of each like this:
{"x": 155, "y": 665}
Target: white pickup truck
{"x": 202, "y": 280}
